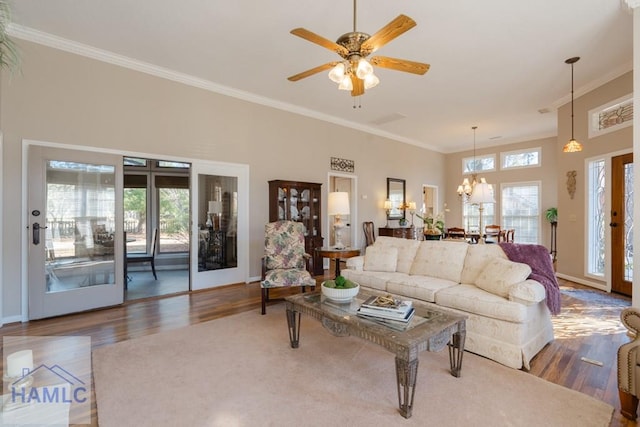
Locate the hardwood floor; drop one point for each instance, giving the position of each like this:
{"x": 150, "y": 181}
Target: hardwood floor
{"x": 588, "y": 327}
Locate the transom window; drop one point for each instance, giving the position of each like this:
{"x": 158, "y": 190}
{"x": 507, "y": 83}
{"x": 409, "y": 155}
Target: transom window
{"x": 486, "y": 163}
{"x": 530, "y": 157}
{"x": 612, "y": 116}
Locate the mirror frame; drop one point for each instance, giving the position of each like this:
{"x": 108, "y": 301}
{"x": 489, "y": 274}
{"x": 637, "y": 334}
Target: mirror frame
{"x": 395, "y": 186}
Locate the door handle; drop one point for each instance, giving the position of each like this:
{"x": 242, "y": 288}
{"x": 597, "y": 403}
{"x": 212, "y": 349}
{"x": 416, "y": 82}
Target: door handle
{"x": 613, "y": 224}
{"x": 36, "y": 233}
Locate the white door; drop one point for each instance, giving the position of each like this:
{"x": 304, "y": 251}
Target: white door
{"x": 75, "y": 233}
{"x": 220, "y": 232}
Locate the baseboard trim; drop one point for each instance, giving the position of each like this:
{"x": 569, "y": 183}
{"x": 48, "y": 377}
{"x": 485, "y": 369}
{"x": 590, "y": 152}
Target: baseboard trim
{"x": 584, "y": 282}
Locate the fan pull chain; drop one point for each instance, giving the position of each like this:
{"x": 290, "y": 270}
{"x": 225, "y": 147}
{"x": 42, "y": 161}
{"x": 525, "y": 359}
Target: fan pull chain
{"x": 359, "y": 103}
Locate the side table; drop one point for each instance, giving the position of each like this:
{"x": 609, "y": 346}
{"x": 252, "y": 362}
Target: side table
{"x": 337, "y": 254}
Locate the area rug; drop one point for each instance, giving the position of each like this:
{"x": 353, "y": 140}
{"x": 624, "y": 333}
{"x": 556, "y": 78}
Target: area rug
{"x": 240, "y": 371}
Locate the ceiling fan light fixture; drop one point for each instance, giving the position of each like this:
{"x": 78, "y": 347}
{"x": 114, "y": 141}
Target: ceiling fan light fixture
{"x": 337, "y": 73}
{"x": 371, "y": 81}
{"x": 364, "y": 69}
{"x": 345, "y": 83}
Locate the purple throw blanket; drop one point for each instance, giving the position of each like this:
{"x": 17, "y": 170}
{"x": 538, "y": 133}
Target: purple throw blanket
{"x": 537, "y": 257}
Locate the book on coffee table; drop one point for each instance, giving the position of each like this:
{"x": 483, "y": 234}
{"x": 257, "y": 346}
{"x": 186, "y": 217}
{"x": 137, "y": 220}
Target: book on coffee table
{"x": 386, "y": 304}
{"x": 402, "y": 318}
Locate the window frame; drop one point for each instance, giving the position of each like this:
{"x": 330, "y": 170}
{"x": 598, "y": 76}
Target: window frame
{"x": 538, "y": 184}
{"x": 475, "y": 160}
{"x": 594, "y": 120}
{"x": 504, "y": 154}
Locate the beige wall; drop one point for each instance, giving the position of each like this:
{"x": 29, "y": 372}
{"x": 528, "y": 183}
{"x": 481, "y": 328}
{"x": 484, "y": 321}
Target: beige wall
{"x": 545, "y": 174}
{"x": 571, "y": 234}
{"x": 64, "y": 98}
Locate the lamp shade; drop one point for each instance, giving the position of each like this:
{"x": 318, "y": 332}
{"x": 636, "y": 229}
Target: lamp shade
{"x": 338, "y": 203}
{"x": 388, "y": 205}
{"x": 482, "y": 193}
{"x": 215, "y": 206}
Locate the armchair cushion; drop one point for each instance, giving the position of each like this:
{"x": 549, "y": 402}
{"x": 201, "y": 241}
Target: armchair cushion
{"x": 500, "y": 274}
{"x": 287, "y": 277}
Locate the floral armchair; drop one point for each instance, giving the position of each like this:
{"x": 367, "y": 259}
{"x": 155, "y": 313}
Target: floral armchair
{"x": 285, "y": 262}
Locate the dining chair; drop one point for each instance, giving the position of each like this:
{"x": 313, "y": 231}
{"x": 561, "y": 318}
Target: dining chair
{"x": 137, "y": 258}
{"x": 492, "y": 233}
{"x": 369, "y": 232}
{"x": 456, "y": 233}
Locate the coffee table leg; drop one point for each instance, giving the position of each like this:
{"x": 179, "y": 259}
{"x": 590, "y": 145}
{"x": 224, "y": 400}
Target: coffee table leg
{"x": 293, "y": 321}
{"x": 456, "y": 350}
{"x": 406, "y": 373}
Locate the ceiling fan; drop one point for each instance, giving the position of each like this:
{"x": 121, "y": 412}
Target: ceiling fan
{"x": 354, "y": 72}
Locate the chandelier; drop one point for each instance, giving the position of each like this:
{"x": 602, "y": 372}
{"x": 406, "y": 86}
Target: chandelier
{"x": 466, "y": 188}
{"x": 572, "y": 146}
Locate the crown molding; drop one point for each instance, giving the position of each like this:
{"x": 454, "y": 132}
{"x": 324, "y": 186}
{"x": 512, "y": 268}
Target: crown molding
{"x": 46, "y": 39}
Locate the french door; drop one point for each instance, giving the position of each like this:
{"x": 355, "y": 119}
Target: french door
{"x": 622, "y": 223}
{"x": 75, "y": 231}
{"x": 220, "y": 217}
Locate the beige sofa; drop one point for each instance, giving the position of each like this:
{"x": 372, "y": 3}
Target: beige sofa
{"x": 508, "y": 320}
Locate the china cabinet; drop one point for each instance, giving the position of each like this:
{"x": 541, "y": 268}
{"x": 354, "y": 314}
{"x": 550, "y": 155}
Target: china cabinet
{"x": 301, "y": 202}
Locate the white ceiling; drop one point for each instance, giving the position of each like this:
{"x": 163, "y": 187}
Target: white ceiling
{"x": 494, "y": 63}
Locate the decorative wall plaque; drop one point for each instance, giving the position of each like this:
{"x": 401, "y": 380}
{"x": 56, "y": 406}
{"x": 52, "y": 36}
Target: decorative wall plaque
{"x": 342, "y": 165}
{"x": 571, "y": 183}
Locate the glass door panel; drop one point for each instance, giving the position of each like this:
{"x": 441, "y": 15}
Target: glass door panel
{"x": 75, "y": 260}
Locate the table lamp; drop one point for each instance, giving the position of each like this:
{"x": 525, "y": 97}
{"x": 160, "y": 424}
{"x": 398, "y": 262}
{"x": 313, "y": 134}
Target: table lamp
{"x": 482, "y": 193}
{"x": 337, "y": 205}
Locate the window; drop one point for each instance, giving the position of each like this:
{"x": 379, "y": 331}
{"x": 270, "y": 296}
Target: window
{"x": 612, "y": 116}
{"x": 485, "y": 163}
{"x": 596, "y": 217}
{"x": 521, "y": 210}
{"x": 471, "y": 216}
{"x": 527, "y": 158}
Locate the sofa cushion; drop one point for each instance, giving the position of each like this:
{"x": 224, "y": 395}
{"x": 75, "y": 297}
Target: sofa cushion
{"x": 406, "y": 251}
{"x": 478, "y": 256}
{"x": 419, "y": 287}
{"x": 472, "y": 299}
{"x": 440, "y": 258}
{"x": 377, "y": 258}
{"x": 500, "y": 274}
{"x": 371, "y": 279}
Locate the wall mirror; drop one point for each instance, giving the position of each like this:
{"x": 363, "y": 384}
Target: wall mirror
{"x": 396, "y": 194}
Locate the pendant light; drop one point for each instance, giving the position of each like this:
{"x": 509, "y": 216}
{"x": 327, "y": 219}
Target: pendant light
{"x": 572, "y": 146}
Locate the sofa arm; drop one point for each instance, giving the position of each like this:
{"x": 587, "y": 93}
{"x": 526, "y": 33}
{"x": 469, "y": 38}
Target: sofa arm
{"x": 355, "y": 263}
{"x": 528, "y": 292}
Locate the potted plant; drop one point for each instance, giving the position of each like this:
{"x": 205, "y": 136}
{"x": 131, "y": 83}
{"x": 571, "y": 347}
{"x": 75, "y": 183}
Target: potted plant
{"x": 340, "y": 289}
{"x": 433, "y": 226}
{"x": 551, "y": 215}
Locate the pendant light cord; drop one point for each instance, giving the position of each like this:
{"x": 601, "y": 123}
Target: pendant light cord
{"x": 572, "y": 101}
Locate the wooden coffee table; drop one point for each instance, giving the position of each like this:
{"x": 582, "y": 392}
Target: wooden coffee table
{"x": 430, "y": 330}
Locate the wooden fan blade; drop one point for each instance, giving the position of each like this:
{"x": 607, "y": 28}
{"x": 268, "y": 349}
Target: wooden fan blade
{"x": 387, "y": 33}
{"x": 321, "y": 41}
{"x": 312, "y": 71}
{"x": 358, "y": 86}
{"x": 400, "y": 64}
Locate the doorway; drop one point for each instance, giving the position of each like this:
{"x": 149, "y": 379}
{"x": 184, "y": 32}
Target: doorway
{"x": 157, "y": 200}
{"x": 621, "y": 224}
